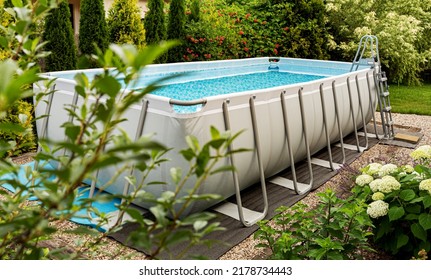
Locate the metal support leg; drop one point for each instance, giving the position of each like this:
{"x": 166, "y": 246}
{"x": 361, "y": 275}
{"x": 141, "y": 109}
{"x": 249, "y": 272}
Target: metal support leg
{"x": 299, "y": 188}
{"x": 74, "y": 103}
{"x": 337, "y": 116}
{"x": 252, "y": 216}
{"x": 381, "y": 107}
{"x": 352, "y": 113}
{"x": 373, "y": 107}
{"x": 45, "y": 123}
{"x": 138, "y": 134}
{"x": 139, "y": 130}
{"x": 328, "y": 164}
{"x": 362, "y": 113}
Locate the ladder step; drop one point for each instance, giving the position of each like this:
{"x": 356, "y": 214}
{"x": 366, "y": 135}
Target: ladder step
{"x": 387, "y": 109}
{"x": 385, "y": 94}
{"x": 389, "y": 123}
{"x": 383, "y": 79}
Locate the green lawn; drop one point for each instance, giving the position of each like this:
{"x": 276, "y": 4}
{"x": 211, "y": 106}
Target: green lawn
{"x": 411, "y": 99}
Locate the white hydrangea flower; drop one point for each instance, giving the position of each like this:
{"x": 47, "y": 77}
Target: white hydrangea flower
{"x": 377, "y": 208}
{"x": 378, "y": 196}
{"x": 423, "y": 152}
{"x": 373, "y": 168}
{"x": 389, "y": 184}
{"x": 387, "y": 169}
{"x": 375, "y": 185}
{"x": 425, "y": 185}
{"x": 408, "y": 169}
{"x": 364, "y": 179}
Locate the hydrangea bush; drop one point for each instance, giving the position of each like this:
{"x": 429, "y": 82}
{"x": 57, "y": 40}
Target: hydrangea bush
{"x": 399, "y": 203}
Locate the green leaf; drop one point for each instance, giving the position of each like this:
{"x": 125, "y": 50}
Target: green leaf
{"x": 193, "y": 143}
{"x": 17, "y": 3}
{"x": 135, "y": 214}
{"x": 176, "y": 174}
{"x": 188, "y": 154}
{"x": 402, "y": 240}
{"x": 215, "y": 134}
{"x": 10, "y": 127}
{"x": 224, "y": 168}
{"x": 425, "y": 221}
{"x": 427, "y": 201}
{"x": 395, "y": 213}
{"x": 198, "y": 225}
{"x": 419, "y": 232}
{"x": 407, "y": 195}
{"x": 108, "y": 85}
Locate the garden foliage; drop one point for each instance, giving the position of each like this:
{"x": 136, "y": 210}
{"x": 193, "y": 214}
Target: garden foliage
{"x": 155, "y": 24}
{"x": 22, "y": 138}
{"x": 124, "y": 23}
{"x": 337, "y": 229}
{"x": 92, "y": 28}
{"x": 60, "y": 41}
{"x": 399, "y": 199}
{"x": 26, "y": 228}
{"x": 403, "y": 29}
{"x": 240, "y": 29}
{"x": 176, "y": 28}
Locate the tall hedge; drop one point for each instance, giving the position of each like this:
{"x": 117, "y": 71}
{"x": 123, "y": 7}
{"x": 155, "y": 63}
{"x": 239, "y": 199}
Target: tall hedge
{"x": 124, "y": 23}
{"x": 176, "y": 28}
{"x": 58, "y": 34}
{"x": 154, "y": 23}
{"x": 92, "y": 27}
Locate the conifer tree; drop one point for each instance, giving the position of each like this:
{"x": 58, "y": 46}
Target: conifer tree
{"x": 195, "y": 13}
{"x": 58, "y": 34}
{"x": 92, "y": 27}
{"x": 154, "y": 22}
{"x": 124, "y": 23}
{"x": 176, "y": 28}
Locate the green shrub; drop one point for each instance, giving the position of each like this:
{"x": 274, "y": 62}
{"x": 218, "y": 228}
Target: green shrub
{"x": 176, "y": 28}
{"x": 154, "y": 23}
{"x": 124, "y": 23}
{"x": 336, "y": 229}
{"x": 403, "y": 32}
{"x": 399, "y": 200}
{"x": 22, "y": 138}
{"x": 60, "y": 40}
{"x": 92, "y": 28}
{"x": 195, "y": 10}
{"x": 241, "y": 29}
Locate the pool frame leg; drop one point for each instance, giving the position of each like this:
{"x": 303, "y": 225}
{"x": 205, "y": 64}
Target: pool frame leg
{"x": 328, "y": 164}
{"x": 359, "y": 148}
{"x": 138, "y": 134}
{"x": 337, "y": 115}
{"x": 241, "y": 215}
{"x": 74, "y": 103}
{"x": 45, "y": 124}
{"x": 373, "y": 108}
{"x": 361, "y": 107}
{"x": 139, "y": 131}
{"x": 284, "y": 182}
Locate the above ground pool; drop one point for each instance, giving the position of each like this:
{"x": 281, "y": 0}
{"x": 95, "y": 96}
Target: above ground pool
{"x": 287, "y": 109}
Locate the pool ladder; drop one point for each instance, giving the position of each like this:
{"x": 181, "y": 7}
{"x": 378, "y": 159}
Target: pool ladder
{"x": 371, "y": 43}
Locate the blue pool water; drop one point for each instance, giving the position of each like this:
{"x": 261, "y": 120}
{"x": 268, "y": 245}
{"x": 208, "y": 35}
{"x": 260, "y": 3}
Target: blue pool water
{"x": 231, "y": 84}
{"x": 198, "y": 89}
